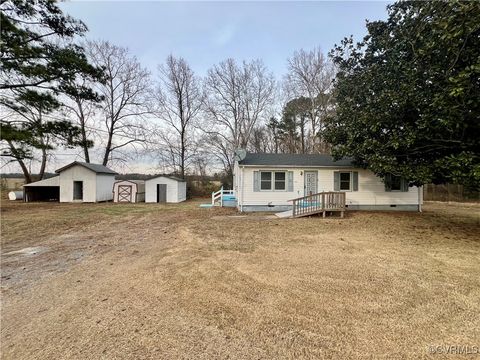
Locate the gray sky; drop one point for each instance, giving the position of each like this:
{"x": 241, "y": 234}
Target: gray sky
{"x": 205, "y": 33}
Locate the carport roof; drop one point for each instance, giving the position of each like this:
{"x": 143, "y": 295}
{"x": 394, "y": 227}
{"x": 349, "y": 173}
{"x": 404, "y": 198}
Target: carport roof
{"x": 97, "y": 168}
{"x": 53, "y": 181}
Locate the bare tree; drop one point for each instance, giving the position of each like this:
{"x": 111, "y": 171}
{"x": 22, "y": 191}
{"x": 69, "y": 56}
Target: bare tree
{"x": 81, "y": 110}
{"x": 125, "y": 94}
{"x": 179, "y": 100}
{"x": 237, "y": 97}
{"x": 310, "y": 75}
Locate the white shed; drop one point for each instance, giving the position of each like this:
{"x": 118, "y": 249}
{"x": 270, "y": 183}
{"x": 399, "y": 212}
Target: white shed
{"x": 76, "y": 182}
{"x": 85, "y": 182}
{"x": 129, "y": 191}
{"x": 162, "y": 188}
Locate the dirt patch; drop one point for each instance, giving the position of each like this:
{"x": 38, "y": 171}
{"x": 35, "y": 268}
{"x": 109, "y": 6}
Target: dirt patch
{"x": 161, "y": 282}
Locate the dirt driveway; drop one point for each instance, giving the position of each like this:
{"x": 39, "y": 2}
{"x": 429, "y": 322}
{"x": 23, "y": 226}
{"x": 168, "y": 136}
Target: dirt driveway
{"x": 138, "y": 281}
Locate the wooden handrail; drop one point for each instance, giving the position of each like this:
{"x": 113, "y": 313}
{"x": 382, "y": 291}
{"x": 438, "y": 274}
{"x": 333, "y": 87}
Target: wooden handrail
{"x": 319, "y": 202}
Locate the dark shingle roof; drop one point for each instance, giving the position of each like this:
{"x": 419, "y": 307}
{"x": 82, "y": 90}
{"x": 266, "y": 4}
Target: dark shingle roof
{"x": 294, "y": 160}
{"x": 99, "y": 169}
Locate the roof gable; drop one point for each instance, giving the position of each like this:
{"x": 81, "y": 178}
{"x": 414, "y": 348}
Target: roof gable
{"x": 96, "y": 168}
{"x": 312, "y": 160}
{"x": 167, "y": 177}
{"x": 131, "y": 181}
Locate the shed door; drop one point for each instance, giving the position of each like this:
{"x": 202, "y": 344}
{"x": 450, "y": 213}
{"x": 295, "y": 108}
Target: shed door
{"x": 161, "y": 193}
{"x": 78, "y": 190}
{"x": 124, "y": 193}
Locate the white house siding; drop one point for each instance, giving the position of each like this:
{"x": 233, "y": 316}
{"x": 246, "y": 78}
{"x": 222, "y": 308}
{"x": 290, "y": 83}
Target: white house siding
{"x": 78, "y": 173}
{"x": 104, "y": 187}
{"x": 371, "y": 190}
{"x": 173, "y": 186}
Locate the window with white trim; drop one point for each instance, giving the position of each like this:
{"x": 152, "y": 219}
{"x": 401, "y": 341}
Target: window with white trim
{"x": 346, "y": 181}
{"x": 265, "y": 180}
{"x": 280, "y": 180}
{"x": 273, "y": 180}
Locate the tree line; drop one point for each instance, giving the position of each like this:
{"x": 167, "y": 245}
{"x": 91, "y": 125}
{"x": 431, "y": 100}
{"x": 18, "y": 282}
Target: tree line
{"x": 404, "y": 100}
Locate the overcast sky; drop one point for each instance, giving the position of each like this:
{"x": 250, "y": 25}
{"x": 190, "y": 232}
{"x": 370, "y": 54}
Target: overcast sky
{"x": 205, "y": 33}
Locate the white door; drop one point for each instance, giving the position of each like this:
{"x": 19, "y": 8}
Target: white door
{"x": 310, "y": 182}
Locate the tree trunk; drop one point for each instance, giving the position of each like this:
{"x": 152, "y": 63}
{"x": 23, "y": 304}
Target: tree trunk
{"x": 86, "y": 154}
{"x": 302, "y": 132}
{"x": 108, "y": 148}
{"x": 182, "y": 160}
{"x": 43, "y": 164}
{"x": 26, "y": 173}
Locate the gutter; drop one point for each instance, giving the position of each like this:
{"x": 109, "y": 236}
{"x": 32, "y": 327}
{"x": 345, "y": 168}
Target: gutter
{"x": 420, "y": 198}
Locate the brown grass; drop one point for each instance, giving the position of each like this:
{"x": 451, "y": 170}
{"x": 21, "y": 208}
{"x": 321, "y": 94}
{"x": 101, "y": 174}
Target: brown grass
{"x": 162, "y": 282}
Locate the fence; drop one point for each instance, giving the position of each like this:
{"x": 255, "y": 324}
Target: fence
{"x": 449, "y": 192}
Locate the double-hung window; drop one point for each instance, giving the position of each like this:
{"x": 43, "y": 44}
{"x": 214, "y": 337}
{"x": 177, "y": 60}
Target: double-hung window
{"x": 395, "y": 183}
{"x": 280, "y": 180}
{"x": 345, "y": 181}
{"x": 273, "y": 180}
{"x": 265, "y": 180}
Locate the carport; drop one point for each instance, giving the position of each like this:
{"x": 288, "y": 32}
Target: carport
{"x": 43, "y": 190}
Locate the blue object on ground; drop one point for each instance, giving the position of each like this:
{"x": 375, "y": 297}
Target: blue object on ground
{"x": 229, "y": 197}
{"x": 206, "y": 205}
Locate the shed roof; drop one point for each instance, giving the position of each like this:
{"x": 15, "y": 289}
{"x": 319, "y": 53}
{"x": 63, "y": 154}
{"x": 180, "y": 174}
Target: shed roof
{"x": 97, "y": 168}
{"x": 168, "y": 177}
{"x": 131, "y": 181}
{"x": 294, "y": 160}
{"x": 52, "y": 181}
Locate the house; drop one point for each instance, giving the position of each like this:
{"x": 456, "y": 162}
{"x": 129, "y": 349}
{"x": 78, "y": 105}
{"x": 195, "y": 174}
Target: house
{"x": 268, "y": 182}
{"x": 162, "y": 188}
{"x": 129, "y": 191}
{"x": 76, "y": 182}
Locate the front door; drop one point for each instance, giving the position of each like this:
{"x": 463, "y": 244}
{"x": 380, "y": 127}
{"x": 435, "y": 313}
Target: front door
{"x": 161, "y": 193}
{"x": 124, "y": 193}
{"x": 310, "y": 180}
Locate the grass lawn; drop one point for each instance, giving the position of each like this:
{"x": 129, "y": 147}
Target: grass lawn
{"x": 146, "y": 281}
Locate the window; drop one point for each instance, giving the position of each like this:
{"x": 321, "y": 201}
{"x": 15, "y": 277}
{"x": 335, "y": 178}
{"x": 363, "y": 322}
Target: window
{"x": 273, "y": 180}
{"x": 395, "y": 183}
{"x": 345, "y": 181}
{"x": 280, "y": 181}
{"x": 265, "y": 180}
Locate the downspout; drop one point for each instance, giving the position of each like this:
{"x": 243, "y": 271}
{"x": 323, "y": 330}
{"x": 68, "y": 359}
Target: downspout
{"x": 420, "y": 198}
{"x": 241, "y": 192}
